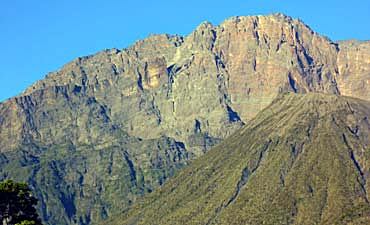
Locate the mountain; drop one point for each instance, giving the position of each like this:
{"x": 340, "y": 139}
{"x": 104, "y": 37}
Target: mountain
{"x": 108, "y": 128}
{"x": 302, "y": 160}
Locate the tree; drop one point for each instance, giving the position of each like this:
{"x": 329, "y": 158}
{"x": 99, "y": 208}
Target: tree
{"x": 26, "y": 222}
{"x": 17, "y": 205}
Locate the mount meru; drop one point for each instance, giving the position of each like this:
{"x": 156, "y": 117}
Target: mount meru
{"x": 103, "y": 131}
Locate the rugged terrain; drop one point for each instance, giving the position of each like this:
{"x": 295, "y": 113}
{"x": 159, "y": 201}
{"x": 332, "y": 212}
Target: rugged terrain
{"x": 303, "y": 160}
{"x": 109, "y": 127}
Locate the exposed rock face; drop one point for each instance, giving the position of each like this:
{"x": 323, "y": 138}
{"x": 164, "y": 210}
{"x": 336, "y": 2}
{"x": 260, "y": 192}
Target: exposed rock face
{"x": 302, "y": 160}
{"x": 80, "y": 164}
{"x": 354, "y": 69}
{"x": 185, "y": 93}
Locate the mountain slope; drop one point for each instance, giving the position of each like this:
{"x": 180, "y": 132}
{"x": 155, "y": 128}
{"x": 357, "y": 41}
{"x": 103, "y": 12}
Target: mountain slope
{"x": 302, "y": 160}
{"x": 79, "y": 163}
{"x": 157, "y": 104}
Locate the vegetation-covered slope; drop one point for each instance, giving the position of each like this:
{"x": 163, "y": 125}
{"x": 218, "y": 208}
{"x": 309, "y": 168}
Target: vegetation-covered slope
{"x": 303, "y": 160}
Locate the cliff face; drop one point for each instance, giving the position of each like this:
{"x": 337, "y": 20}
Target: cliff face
{"x": 302, "y": 160}
{"x": 179, "y": 95}
{"x": 354, "y": 68}
{"x": 173, "y": 83}
{"x": 80, "y": 164}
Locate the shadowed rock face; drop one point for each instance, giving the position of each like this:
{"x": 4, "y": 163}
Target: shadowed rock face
{"x": 184, "y": 94}
{"x": 302, "y": 160}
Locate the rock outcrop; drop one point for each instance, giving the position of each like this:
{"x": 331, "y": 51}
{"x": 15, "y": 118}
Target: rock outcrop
{"x": 175, "y": 97}
{"x": 354, "y": 69}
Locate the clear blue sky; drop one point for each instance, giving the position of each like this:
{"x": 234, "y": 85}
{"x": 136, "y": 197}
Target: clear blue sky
{"x": 40, "y": 36}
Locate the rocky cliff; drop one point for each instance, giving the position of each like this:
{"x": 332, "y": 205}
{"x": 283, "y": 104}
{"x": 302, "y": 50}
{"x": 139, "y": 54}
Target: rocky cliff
{"x": 158, "y": 103}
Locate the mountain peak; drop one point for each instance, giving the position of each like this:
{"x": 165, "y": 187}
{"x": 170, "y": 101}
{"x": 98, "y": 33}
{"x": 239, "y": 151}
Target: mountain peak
{"x": 128, "y": 119}
{"x": 204, "y": 24}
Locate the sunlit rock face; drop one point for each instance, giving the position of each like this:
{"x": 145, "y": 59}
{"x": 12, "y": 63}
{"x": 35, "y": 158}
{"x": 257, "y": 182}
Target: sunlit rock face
{"x": 169, "y": 82}
{"x": 181, "y": 94}
{"x": 354, "y": 68}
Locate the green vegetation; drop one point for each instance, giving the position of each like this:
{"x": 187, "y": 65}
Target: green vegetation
{"x": 17, "y": 205}
{"x": 303, "y": 160}
{"x": 26, "y": 222}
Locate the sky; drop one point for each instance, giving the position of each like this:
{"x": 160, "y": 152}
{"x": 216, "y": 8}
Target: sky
{"x": 40, "y": 36}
